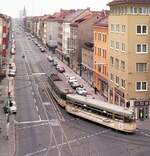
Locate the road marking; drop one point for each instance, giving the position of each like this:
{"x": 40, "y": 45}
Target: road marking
{"x": 37, "y": 152}
{"x": 32, "y": 93}
{"x": 46, "y": 103}
{"x": 37, "y": 108}
{"x": 40, "y": 117}
{"x": 34, "y": 100}
{"x": 80, "y": 139}
{"x": 27, "y": 122}
{"x": 33, "y": 126}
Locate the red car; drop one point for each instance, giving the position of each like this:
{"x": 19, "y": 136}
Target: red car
{"x": 61, "y": 69}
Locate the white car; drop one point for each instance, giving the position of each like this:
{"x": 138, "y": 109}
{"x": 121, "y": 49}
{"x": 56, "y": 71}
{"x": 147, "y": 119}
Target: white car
{"x": 12, "y": 73}
{"x": 81, "y": 91}
{"x": 50, "y": 59}
{"x": 72, "y": 79}
{"x": 74, "y": 85}
{"x": 11, "y": 105}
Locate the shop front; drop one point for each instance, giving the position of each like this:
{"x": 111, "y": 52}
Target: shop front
{"x": 141, "y": 109}
{"x": 103, "y": 87}
{"x": 116, "y": 96}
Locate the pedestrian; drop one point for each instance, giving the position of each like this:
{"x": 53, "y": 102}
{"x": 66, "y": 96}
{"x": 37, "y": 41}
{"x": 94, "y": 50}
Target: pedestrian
{"x": 95, "y": 90}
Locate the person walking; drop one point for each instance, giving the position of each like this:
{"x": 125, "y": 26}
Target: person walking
{"x": 95, "y": 90}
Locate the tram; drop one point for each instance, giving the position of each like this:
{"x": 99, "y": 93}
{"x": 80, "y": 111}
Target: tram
{"x": 58, "y": 89}
{"x": 110, "y": 115}
{"x": 113, "y": 116}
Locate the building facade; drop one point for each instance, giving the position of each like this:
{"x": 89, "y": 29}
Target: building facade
{"x": 129, "y": 55}
{"x": 87, "y": 62}
{"x": 100, "y": 56}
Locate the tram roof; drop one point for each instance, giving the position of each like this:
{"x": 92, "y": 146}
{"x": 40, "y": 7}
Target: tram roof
{"x": 101, "y": 105}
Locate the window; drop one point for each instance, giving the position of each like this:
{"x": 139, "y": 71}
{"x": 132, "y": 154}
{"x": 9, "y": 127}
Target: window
{"x": 99, "y": 36}
{"x": 104, "y": 37}
{"x": 123, "y": 83}
{"x": 141, "y": 67}
{"x": 117, "y": 45}
{"x": 95, "y": 34}
{"x": 112, "y": 44}
{"x": 117, "y": 27}
{"x": 123, "y": 47}
{"x": 141, "y": 86}
{"x": 142, "y": 29}
{"x": 95, "y": 50}
{"x": 123, "y": 65}
{"x": 142, "y": 48}
{"x": 123, "y": 28}
{"x": 100, "y": 68}
{"x": 112, "y": 27}
{"x": 112, "y": 77}
{"x": 117, "y": 63}
{"x": 117, "y": 80}
{"x": 111, "y": 60}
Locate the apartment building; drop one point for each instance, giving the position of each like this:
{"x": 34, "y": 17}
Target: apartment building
{"x": 129, "y": 46}
{"x": 100, "y": 55}
{"x": 67, "y": 38}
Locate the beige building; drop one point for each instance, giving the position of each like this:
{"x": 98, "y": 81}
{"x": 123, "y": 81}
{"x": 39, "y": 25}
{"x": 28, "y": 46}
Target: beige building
{"x": 129, "y": 46}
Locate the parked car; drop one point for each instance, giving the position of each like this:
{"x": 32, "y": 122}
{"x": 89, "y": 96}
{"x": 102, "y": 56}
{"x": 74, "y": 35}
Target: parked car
{"x": 39, "y": 45}
{"x": 12, "y": 73}
{"x": 12, "y": 51}
{"x": 10, "y": 107}
{"x": 50, "y": 59}
{"x": 75, "y": 84}
{"x": 42, "y": 49}
{"x": 61, "y": 69}
{"x": 72, "y": 79}
{"x": 81, "y": 91}
{"x": 55, "y": 63}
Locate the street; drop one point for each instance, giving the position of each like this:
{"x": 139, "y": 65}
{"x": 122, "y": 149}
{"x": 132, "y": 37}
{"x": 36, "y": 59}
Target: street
{"x": 45, "y": 129}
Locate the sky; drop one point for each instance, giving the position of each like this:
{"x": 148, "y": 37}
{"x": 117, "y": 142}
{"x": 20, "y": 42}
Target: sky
{"x": 41, "y": 7}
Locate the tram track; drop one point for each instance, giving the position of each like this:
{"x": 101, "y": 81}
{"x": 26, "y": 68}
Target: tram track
{"x": 46, "y": 113}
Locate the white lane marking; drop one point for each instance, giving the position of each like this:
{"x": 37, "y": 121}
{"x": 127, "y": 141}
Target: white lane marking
{"x": 46, "y": 103}
{"x": 37, "y": 108}
{"x": 37, "y": 152}
{"x": 28, "y": 122}
{"x": 34, "y": 100}
{"x": 40, "y": 117}
{"x": 32, "y": 93}
{"x": 33, "y": 126}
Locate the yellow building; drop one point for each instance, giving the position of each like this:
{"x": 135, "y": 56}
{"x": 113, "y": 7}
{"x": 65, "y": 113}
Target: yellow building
{"x": 129, "y": 42}
{"x": 100, "y": 67}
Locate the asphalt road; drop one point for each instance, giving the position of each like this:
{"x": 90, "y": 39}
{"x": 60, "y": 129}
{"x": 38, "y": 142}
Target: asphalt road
{"x": 45, "y": 129}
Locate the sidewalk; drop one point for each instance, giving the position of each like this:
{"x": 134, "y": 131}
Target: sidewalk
{"x": 7, "y": 145}
{"x": 144, "y": 125}
{"x": 69, "y": 72}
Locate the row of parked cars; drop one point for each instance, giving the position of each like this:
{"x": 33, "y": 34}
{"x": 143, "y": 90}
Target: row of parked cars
{"x": 77, "y": 86}
{"x": 71, "y": 80}
{"x": 31, "y": 37}
{"x": 58, "y": 67}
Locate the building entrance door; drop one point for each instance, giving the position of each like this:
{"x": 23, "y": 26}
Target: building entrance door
{"x": 143, "y": 113}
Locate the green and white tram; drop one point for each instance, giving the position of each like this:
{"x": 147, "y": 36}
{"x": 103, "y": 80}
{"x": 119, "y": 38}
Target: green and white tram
{"x": 107, "y": 114}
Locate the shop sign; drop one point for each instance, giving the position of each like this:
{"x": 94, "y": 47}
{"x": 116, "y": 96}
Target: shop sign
{"x": 141, "y": 103}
